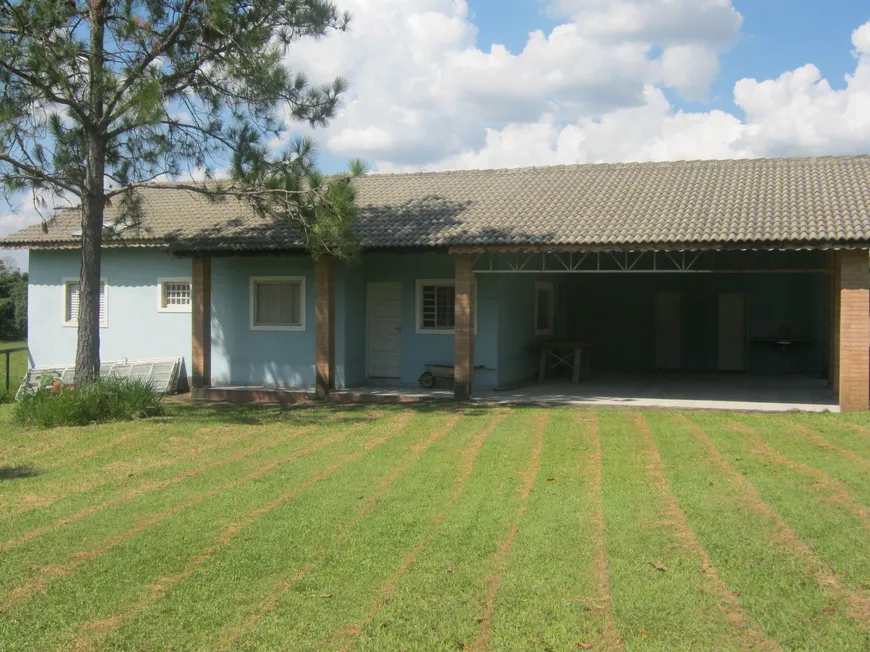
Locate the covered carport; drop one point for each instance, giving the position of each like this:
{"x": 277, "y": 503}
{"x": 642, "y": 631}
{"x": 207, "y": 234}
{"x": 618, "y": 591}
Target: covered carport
{"x": 742, "y": 328}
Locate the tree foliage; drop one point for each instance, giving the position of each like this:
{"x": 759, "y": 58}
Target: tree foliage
{"x": 98, "y": 97}
{"x": 13, "y": 302}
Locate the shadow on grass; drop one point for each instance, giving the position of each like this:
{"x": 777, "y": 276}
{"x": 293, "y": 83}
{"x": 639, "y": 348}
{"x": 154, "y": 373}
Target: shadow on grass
{"x": 17, "y": 472}
{"x": 307, "y": 414}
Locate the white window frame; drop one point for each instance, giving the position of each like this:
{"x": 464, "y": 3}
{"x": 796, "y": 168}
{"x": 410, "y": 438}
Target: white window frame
{"x": 161, "y": 282}
{"x": 73, "y": 323}
{"x": 551, "y": 318}
{"x": 253, "y": 303}
{"x": 418, "y": 305}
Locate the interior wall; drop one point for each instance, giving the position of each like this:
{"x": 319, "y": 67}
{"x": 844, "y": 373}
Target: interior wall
{"x": 518, "y": 352}
{"x": 615, "y": 313}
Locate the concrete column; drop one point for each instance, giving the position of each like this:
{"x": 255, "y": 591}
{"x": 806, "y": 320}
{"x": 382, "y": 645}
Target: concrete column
{"x": 464, "y": 328}
{"x": 324, "y": 334}
{"x": 200, "y": 318}
{"x": 854, "y": 330}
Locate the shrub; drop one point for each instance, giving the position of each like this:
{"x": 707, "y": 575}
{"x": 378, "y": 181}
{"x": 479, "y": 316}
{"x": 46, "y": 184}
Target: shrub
{"x": 105, "y": 399}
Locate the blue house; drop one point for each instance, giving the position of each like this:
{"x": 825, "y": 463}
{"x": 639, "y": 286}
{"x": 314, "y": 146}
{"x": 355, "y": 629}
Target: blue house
{"x": 711, "y": 267}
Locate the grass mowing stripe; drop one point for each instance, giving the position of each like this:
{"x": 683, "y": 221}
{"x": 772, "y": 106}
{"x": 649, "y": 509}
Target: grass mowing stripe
{"x": 52, "y": 549}
{"x": 551, "y": 592}
{"x": 208, "y": 605}
{"x": 848, "y": 555}
{"x": 609, "y": 634}
{"x": 114, "y": 472}
{"x": 811, "y": 435}
{"x": 91, "y": 633}
{"x": 287, "y": 581}
{"x": 466, "y": 466}
{"x": 749, "y": 635}
{"x": 799, "y": 613}
{"x": 47, "y": 573}
{"x": 502, "y": 555}
{"x": 833, "y": 490}
{"x": 432, "y": 599}
{"x": 139, "y": 491}
{"x": 661, "y": 597}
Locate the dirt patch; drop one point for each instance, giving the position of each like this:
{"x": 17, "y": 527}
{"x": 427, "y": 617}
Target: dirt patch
{"x": 749, "y": 634}
{"x": 610, "y": 638}
{"x": 858, "y": 604}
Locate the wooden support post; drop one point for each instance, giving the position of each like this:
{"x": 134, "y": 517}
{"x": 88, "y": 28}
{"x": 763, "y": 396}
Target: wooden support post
{"x": 854, "y": 330}
{"x": 324, "y": 335}
{"x": 464, "y": 328}
{"x": 200, "y": 300}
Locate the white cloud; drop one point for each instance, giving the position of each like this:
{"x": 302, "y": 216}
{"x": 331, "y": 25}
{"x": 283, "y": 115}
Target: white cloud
{"x": 15, "y": 218}
{"x": 690, "y": 69}
{"x": 422, "y": 89}
{"x": 798, "y": 113}
{"x": 710, "y": 22}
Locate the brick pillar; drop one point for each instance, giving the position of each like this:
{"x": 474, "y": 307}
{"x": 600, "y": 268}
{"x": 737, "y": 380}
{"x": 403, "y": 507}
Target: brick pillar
{"x": 324, "y": 334}
{"x": 464, "y": 328}
{"x": 200, "y": 304}
{"x": 854, "y": 330}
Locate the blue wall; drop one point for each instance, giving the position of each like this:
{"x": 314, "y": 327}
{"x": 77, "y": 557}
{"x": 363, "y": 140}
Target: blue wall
{"x": 243, "y": 356}
{"x": 418, "y": 350}
{"x": 518, "y": 352}
{"x": 613, "y": 312}
{"x": 135, "y": 327}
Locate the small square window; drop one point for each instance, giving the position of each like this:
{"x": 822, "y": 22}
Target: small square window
{"x": 278, "y": 303}
{"x": 436, "y": 306}
{"x": 71, "y": 291}
{"x": 174, "y": 295}
{"x": 545, "y": 308}
{"x": 438, "y": 311}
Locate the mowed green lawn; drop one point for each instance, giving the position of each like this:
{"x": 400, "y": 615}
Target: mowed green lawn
{"x": 437, "y": 528}
{"x": 17, "y": 366}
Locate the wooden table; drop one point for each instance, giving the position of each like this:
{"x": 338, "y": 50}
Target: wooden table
{"x": 556, "y": 355}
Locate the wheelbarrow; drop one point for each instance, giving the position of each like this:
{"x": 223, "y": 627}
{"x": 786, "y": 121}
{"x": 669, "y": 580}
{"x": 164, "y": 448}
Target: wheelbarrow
{"x": 435, "y": 371}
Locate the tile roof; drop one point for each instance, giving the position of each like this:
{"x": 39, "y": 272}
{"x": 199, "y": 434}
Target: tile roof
{"x": 685, "y": 204}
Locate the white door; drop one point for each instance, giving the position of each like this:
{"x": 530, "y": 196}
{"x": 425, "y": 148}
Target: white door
{"x": 732, "y": 331}
{"x": 669, "y": 330}
{"x": 384, "y": 330}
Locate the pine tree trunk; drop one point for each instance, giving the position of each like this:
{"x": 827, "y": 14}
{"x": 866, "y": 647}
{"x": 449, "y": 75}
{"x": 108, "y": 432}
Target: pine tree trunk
{"x": 88, "y": 345}
{"x": 93, "y": 205}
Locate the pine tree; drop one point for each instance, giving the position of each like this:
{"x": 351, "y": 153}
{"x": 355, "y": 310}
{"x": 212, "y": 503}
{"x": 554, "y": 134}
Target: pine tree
{"x": 98, "y": 97}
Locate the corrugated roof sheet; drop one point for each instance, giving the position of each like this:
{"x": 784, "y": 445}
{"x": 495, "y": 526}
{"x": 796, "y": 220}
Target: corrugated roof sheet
{"x": 797, "y": 201}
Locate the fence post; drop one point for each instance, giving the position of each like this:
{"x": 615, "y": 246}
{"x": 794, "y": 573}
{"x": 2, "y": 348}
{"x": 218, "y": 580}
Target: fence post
{"x": 7, "y": 371}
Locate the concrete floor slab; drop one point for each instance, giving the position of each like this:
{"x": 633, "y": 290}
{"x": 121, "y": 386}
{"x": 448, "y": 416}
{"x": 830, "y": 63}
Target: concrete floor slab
{"x": 737, "y": 392}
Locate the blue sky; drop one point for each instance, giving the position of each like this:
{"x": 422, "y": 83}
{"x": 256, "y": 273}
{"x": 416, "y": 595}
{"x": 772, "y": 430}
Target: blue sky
{"x": 455, "y": 84}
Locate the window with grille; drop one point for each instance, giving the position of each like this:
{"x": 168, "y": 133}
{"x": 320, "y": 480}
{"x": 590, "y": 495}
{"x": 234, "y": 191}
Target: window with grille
{"x": 436, "y": 306}
{"x": 174, "y": 295}
{"x": 71, "y": 303}
{"x": 278, "y": 303}
{"x": 438, "y": 310}
{"x": 545, "y": 311}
